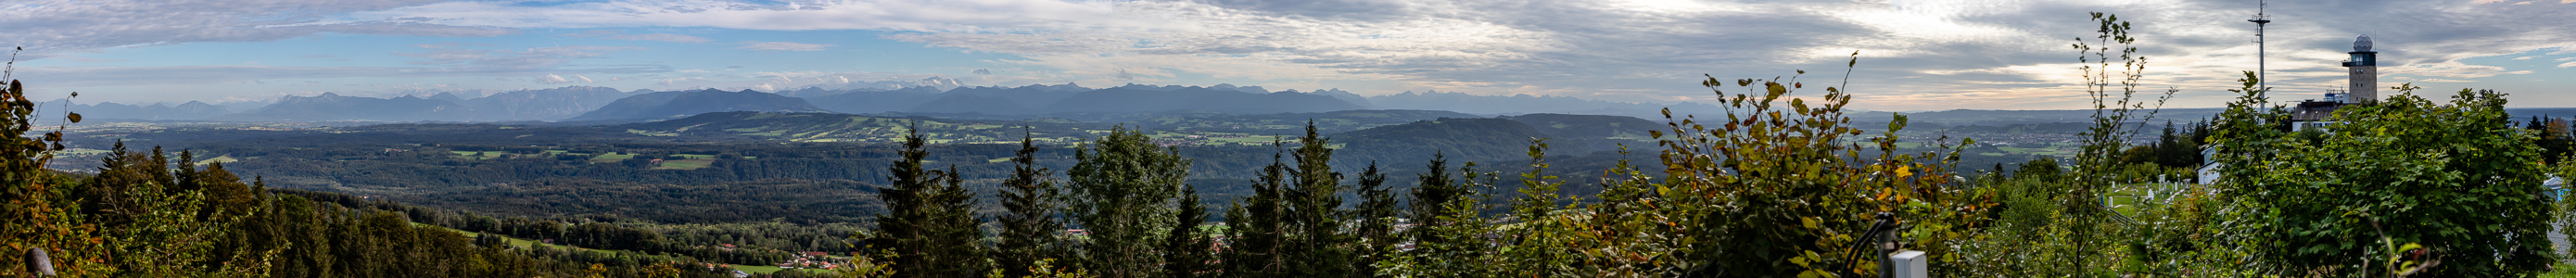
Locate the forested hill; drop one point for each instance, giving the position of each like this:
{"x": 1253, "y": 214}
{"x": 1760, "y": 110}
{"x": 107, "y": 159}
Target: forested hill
{"x": 826, "y": 127}
{"x": 1588, "y": 126}
{"x": 1283, "y": 123}
{"x": 1464, "y": 139}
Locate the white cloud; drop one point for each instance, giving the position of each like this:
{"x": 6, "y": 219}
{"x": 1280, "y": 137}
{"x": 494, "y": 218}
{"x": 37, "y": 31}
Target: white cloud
{"x": 909, "y": 15}
{"x": 2450, "y": 69}
{"x": 73, "y": 76}
{"x": 466, "y": 55}
{"x": 1916, "y": 54}
{"x": 782, "y": 46}
{"x": 48, "y": 26}
{"x": 551, "y": 79}
{"x": 2567, "y": 65}
{"x": 659, "y": 38}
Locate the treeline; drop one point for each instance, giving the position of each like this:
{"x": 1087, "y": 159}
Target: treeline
{"x": 2404, "y": 186}
{"x": 731, "y": 243}
{"x": 146, "y": 214}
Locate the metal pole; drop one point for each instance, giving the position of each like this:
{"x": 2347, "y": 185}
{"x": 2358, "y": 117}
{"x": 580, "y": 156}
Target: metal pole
{"x": 2261, "y": 54}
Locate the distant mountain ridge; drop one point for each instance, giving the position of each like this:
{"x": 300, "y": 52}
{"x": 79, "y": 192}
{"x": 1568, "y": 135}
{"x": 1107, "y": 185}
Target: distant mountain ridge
{"x": 335, "y": 107}
{"x": 667, "y": 105}
{"x": 520, "y": 105}
{"x": 546, "y": 104}
{"x": 192, "y": 110}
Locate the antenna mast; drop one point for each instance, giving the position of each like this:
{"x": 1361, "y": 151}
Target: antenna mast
{"x": 2260, "y": 54}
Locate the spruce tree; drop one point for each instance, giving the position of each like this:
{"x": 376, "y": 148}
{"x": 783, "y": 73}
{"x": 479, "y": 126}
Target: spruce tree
{"x": 1029, "y": 230}
{"x": 1121, "y": 191}
{"x": 1318, "y": 247}
{"x": 1186, "y": 252}
{"x": 928, "y": 217}
{"x": 1255, "y": 232}
{"x": 1376, "y": 214}
{"x": 1432, "y": 192}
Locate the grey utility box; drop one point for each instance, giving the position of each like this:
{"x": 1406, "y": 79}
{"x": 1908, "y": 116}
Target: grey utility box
{"x": 1910, "y": 264}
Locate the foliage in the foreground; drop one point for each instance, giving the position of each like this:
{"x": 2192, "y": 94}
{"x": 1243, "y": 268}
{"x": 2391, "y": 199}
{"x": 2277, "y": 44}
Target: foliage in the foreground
{"x": 2403, "y": 185}
{"x": 1029, "y": 231}
{"x": 1781, "y": 186}
{"x": 1778, "y": 189}
{"x": 930, "y": 218}
{"x": 145, "y": 214}
{"x": 1121, "y": 190}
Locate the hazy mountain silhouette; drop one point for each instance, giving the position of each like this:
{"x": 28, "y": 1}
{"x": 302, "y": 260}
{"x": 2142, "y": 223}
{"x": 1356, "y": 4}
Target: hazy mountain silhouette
{"x": 335, "y": 107}
{"x": 1345, "y": 96}
{"x": 685, "y": 103}
{"x": 544, "y": 104}
{"x": 193, "y": 110}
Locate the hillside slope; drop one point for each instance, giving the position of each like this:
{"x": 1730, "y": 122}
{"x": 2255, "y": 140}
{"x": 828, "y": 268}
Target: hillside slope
{"x": 826, "y": 127}
{"x": 1461, "y": 139}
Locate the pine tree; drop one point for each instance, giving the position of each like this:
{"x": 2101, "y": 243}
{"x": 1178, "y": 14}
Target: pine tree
{"x": 1186, "y": 252}
{"x": 1376, "y": 214}
{"x": 1255, "y": 232}
{"x": 928, "y": 217}
{"x": 1121, "y": 191}
{"x": 1318, "y": 247}
{"x": 1029, "y": 230}
{"x": 957, "y": 240}
{"x": 1432, "y": 192}
{"x": 1451, "y": 241}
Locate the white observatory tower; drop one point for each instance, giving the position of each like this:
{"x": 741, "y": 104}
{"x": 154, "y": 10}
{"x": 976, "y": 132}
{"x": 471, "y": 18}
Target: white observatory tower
{"x": 2365, "y": 72}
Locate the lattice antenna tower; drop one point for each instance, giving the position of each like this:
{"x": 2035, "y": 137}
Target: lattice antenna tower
{"x": 2260, "y": 53}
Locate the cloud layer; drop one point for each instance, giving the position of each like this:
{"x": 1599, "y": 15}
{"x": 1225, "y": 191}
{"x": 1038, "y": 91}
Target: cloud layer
{"x": 46, "y": 26}
{"x": 1913, "y": 54}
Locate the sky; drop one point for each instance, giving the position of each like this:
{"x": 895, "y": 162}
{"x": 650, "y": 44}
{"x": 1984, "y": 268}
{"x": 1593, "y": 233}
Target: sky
{"x": 1913, "y": 55}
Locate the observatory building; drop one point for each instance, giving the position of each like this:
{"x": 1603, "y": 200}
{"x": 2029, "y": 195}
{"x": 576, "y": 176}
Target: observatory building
{"x": 2363, "y": 88}
{"x": 2365, "y": 73}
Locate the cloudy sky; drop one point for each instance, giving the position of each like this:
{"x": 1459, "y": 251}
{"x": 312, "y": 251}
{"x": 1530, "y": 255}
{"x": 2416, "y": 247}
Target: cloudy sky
{"x": 1914, "y": 54}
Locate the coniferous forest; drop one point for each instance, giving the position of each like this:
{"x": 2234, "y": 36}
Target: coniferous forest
{"x": 1785, "y": 184}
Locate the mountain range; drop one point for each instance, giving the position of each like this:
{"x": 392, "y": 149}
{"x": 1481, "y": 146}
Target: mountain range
{"x": 192, "y": 110}
{"x": 522, "y": 105}
{"x": 668, "y": 105}
{"x": 934, "y": 96}
{"x": 944, "y": 98}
